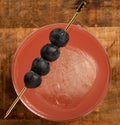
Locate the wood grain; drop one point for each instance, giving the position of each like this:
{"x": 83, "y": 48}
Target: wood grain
{"x": 18, "y": 18}
{"x": 32, "y": 13}
{"x": 43, "y": 122}
{"x": 108, "y": 111}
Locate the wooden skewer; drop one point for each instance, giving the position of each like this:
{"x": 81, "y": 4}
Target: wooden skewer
{"x": 15, "y": 101}
{"x": 75, "y": 15}
{"x": 24, "y": 89}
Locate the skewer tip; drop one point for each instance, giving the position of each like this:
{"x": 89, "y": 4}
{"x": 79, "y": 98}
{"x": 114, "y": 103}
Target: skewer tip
{"x": 5, "y": 117}
{"x": 15, "y": 102}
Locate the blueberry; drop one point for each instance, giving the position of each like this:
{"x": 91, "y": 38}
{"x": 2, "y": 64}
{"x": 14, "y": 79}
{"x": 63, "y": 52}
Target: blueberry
{"x": 40, "y": 66}
{"x": 50, "y": 52}
{"x": 32, "y": 79}
{"x": 59, "y": 37}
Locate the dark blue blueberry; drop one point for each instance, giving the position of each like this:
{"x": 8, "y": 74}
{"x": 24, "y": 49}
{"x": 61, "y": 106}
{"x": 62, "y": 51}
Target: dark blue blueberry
{"x": 59, "y": 37}
{"x": 32, "y": 79}
{"x": 40, "y": 66}
{"x": 50, "y": 52}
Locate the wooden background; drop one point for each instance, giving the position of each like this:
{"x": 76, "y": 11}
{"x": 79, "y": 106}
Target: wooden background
{"x": 18, "y": 18}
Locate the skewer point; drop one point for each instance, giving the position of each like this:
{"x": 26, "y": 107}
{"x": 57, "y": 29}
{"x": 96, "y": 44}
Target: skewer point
{"x": 15, "y": 102}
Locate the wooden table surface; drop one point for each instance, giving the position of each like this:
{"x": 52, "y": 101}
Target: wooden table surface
{"x": 18, "y": 22}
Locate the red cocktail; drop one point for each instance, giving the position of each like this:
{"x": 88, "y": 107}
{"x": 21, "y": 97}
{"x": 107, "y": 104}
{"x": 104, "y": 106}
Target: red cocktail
{"x": 77, "y": 81}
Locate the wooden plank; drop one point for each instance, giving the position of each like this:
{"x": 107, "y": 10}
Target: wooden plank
{"x": 45, "y": 122}
{"x": 108, "y": 111}
{"x": 32, "y": 13}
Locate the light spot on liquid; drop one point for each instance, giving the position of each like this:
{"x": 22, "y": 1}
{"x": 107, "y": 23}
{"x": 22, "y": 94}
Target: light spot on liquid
{"x": 57, "y": 102}
{"x": 58, "y": 86}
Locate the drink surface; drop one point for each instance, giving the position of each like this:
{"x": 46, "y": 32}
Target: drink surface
{"x": 70, "y": 78}
{"x": 77, "y": 81}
